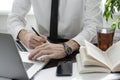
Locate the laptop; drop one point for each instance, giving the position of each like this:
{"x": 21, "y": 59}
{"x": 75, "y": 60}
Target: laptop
{"x": 13, "y": 65}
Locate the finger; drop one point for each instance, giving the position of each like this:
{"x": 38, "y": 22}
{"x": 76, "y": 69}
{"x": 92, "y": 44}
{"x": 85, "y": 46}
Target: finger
{"x": 36, "y": 51}
{"x": 43, "y": 52}
{"x": 55, "y": 55}
{"x": 33, "y": 53}
{"x": 52, "y": 56}
{"x": 42, "y": 58}
{"x": 36, "y": 43}
{"x": 43, "y": 37}
{"x": 40, "y": 38}
{"x": 46, "y": 58}
{"x": 32, "y": 45}
{"x": 37, "y": 38}
{"x": 42, "y": 46}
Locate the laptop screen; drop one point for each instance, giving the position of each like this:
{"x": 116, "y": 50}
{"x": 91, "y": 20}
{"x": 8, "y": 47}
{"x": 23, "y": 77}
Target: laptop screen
{"x": 11, "y": 65}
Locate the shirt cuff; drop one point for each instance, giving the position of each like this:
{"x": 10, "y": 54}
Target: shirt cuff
{"x": 16, "y": 31}
{"x": 79, "y": 40}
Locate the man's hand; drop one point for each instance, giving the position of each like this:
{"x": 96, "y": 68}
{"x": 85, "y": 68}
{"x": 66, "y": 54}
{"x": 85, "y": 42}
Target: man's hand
{"x": 31, "y": 40}
{"x": 48, "y": 51}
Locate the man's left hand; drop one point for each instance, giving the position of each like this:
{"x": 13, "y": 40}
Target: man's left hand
{"x": 48, "y": 51}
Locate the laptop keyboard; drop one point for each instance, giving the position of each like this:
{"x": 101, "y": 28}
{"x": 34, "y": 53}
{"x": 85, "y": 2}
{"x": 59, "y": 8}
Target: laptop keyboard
{"x": 27, "y": 65}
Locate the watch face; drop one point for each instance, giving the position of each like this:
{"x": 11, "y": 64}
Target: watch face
{"x": 69, "y": 50}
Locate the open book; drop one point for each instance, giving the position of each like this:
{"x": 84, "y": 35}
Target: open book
{"x": 92, "y": 59}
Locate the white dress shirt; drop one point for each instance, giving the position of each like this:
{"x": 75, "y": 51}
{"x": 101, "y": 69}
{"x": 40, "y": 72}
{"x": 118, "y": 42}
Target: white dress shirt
{"x": 78, "y": 19}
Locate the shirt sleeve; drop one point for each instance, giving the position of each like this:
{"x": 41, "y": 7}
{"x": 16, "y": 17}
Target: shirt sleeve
{"x": 16, "y": 19}
{"x": 92, "y": 20}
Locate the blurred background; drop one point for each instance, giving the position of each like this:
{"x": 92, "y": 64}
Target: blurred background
{"x": 6, "y": 6}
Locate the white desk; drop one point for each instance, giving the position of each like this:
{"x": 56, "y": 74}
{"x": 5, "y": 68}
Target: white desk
{"x": 50, "y": 74}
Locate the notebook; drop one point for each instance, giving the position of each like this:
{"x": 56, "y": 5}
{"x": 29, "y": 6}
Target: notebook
{"x": 31, "y": 67}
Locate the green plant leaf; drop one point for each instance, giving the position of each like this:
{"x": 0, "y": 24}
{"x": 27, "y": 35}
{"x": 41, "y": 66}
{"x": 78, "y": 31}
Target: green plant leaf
{"x": 119, "y": 25}
{"x": 111, "y": 7}
{"x": 113, "y": 26}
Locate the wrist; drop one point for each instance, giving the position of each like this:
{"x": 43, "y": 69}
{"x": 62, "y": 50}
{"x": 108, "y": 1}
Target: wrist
{"x": 68, "y": 50}
{"x": 73, "y": 44}
{"x": 21, "y": 34}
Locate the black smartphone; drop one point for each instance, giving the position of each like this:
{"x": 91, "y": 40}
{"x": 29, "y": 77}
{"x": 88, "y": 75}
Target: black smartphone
{"x": 64, "y": 69}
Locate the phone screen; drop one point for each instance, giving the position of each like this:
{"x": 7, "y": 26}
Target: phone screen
{"x": 64, "y": 69}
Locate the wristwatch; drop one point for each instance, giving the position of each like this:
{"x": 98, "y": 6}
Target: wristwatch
{"x": 68, "y": 49}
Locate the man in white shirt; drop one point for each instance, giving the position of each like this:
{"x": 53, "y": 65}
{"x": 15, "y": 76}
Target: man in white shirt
{"x": 77, "y": 22}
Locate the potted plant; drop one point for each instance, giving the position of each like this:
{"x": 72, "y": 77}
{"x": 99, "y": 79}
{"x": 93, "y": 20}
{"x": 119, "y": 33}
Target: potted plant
{"x": 111, "y": 7}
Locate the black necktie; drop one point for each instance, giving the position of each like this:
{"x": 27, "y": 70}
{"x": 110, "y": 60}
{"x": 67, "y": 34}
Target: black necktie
{"x": 54, "y": 21}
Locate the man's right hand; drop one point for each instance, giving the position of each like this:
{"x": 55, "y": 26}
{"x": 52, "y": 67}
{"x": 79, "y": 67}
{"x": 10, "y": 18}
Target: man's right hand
{"x": 31, "y": 40}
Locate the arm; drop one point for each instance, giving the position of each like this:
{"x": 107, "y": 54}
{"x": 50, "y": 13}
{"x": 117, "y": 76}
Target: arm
{"x": 31, "y": 40}
{"x": 16, "y": 19}
{"x": 92, "y": 19}
{"x": 73, "y": 45}
{"x": 17, "y": 23}
{"x": 49, "y": 51}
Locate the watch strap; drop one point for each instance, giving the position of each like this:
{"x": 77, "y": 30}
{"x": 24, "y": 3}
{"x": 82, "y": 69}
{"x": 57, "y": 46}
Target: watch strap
{"x": 68, "y": 49}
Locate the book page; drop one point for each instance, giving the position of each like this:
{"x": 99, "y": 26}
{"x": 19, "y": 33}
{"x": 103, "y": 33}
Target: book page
{"x": 88, "y": 69}
{"x": 114, "y": 54}
{"x": 97, "y": 54}
{"x": 88, "y": 60}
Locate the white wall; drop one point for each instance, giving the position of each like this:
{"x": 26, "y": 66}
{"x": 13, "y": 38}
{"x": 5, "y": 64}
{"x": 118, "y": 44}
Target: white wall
{"x": 3, "y": 25}
{"x": 5, "y": 8}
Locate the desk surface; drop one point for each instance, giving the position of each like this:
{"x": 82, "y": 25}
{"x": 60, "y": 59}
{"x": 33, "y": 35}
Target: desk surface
{"x": 50, "y": 74}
